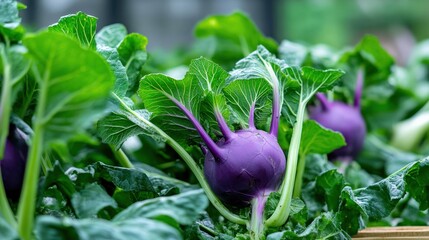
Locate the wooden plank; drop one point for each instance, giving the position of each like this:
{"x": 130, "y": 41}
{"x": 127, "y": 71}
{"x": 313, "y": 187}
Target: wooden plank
{"x": 403, "y": 233}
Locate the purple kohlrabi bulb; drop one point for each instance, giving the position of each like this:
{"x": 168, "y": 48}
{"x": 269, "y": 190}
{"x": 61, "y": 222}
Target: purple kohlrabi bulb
{"x": 251, "y": 164}
{"x": 345, "y": 119}
{"x": 12, "y": 165}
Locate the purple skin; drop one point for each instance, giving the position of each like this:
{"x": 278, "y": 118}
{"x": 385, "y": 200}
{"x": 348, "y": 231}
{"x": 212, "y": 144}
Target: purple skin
{"x": 12, "y": 166}
{"x": 251, "y": 164}
{"x": 345, "y": 119}
{"x": 245, "y": 164}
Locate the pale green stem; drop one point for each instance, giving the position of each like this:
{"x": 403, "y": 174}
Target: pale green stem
{"x": 299, "y": 175}
{"x": 5, "y": 101}
{"x": 27, "y": 202}
{"x": 257, "y": 219}
{"x": 122, "y": 158}
{"x": 282, "y": 211}
{"x": 191, "y": 164}
{"x": 5, "y": 209}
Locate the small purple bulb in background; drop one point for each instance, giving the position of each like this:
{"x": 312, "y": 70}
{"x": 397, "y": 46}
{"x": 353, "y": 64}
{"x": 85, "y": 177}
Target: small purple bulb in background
{"x": 343, "y": 118}
{"x": 12, "y": 166}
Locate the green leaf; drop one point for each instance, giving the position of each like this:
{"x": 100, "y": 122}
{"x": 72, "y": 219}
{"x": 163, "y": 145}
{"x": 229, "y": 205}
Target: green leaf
{"x": 9, "y": 13}
{"x": 417, "y": 183}
{"x": 326, "y": 226}
{"x": 111, "y": 35}
{"x": 10, "y": 21}
{"x": 121, "y": 79}
{"x": 18, "y": 62}
{"x": 303, "y": 84}
{"x": 7, "y": 232}
{"x": 317, "y": 139}
{"x": 183, "y": 208}
{"x": 79, "y": 26}
{"x": 50, "y": 228}
{"x": 378, "y": 200}
{"x": 133, "y": 55}
{"x": 330, "y": 183}
{"x": 371, "y": 51}
{"x": 212, "y": 79}
{"x": 242, "y": 95}
{"x": 74, "y": 84}
{"x": 158, "y": 92}
{"x": 90, "y": 200}
{"x": 236, "y": 30}
{"x": 119, "y": 125}
{"x": 116, "y": 128}
{"x": 124, "y": 178}
{"x": 253, "y": 79}
{"x": 57, "y": 177}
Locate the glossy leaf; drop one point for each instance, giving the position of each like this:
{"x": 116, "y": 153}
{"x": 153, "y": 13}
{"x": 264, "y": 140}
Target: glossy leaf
{"x": 183, "y": 208}
{"x": 317, "y": 139}
{"x": 80, "y": 26}
{"x": 76, "y": 91}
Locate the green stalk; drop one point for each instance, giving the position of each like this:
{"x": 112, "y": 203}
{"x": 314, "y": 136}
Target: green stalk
{"x": 191, "y": 164}
{"x": 257, "y": 219}
{"x": 299, "y": 174}
{"x": 5, "y": 101}
{"x": 282, "y": 211}
{"x": 122, "y": 158}
{"x": 27, "y": 202}
{"x": 5, "y": 209}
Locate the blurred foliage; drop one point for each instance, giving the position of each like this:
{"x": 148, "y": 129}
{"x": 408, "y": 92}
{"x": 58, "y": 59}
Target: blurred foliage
{"x": 339, "y": 23}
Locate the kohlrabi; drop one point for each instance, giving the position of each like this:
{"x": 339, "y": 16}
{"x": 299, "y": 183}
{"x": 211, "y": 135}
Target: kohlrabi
{"x": 343, "y": 118}
{"x": 235, "y": 118}
{"x": 241, "y": 167}
{"x": 12, "y": 165}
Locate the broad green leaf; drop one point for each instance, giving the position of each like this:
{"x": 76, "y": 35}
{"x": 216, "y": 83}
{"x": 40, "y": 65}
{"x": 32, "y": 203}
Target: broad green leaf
{"x": 57, "y": 177}
{"x": 303, "y": 84}
{"x": 74, "y": 84}
{"x": 124, "y": 178}
{"x": 331, "y": 183}
{"x": 370, "y": 51}
{"x": 7, "y": 232}
{"x": 233, "y": 31}
{"x": 211, "y": 78}
{"x": 253, "y": 79}
{"x": 133, "y": 55}
{"x": 52, "y": 228}
{"x": 125, "y": 122}
{"x": 19, "y": 64}
{"x": 10, "y": 21}
{"x": 111, "y": 35}
{"x": 417, "y": 183}
{"x": 317, "y": 139}
{"x": 121, "y": 79}
{"x": 116, "y": 128}
{"x": 159, "y": 92}
{"x": 326, "y": 226}
{"x": 9, "y": 13}
{"x": 90, "y": 200}
{"x": 378, "y": 200}
{"x": 243, "y": 95}
{"x": 183, "y": 208}
{"x": 79, "y": 26}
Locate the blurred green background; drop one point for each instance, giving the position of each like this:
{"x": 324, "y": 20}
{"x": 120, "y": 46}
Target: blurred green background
{"x": 399, "y": 24}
